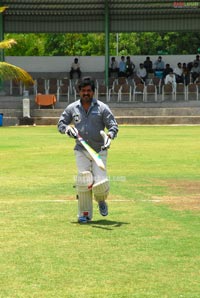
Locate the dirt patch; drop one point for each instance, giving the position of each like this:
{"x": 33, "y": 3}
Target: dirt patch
{"x": 180, "y": 203}
{"x": 184, "y": 195}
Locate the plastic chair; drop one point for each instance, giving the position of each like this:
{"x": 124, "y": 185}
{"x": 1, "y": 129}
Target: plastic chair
{"x": 139, "y": 91}
{"x": 168, "y": 92}
{"x": 192, "y": 92}
{"x": 151, "y": 93}
{"x": 125, "y": 92}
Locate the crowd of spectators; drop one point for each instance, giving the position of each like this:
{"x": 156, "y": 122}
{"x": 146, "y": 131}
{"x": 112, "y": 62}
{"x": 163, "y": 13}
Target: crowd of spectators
{"x": 182, "y": 73}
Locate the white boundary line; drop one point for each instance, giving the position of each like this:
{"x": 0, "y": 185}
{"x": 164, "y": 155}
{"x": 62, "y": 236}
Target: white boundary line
{"x": 54, "y": 201}
{"x": 62, "y": 201}
{"x": 68, "y": 201}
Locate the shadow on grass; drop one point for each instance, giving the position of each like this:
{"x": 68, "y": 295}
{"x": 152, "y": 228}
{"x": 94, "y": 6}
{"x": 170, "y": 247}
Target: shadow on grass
{"x": 105, "y": 224}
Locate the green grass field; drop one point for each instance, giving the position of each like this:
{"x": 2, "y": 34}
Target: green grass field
{"x": 148, "y": 246}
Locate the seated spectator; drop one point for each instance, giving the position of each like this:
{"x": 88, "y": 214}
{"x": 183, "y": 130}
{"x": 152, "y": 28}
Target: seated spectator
{"x": 171, "y": 79}
{"x": 130, "y": 66}
{"x": 148, "y": 65}
{"x": 142, "y": 73}
{"x": 190, "y": 65}
{"x": 195, "y": 71}
{"x": 122, "y": 67}
{"x": 113, "y": 67}
{"x": 186, "y": 74}
{"x": 178, "y": 71}
{"x": 75, "y": 68}
{"x": 167, "y": 70}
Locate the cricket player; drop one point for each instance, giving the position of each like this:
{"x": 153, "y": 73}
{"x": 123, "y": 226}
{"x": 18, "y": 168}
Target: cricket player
{"x": 87, "y": 117}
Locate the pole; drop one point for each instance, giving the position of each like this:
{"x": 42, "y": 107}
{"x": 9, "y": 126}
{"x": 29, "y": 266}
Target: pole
{"x": 106, "y": 41}
{"x": 1, "y": 38}
{"x": 117, "y": 44}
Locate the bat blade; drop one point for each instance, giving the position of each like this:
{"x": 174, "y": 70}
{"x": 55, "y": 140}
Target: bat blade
{"x": 94, "y": 155}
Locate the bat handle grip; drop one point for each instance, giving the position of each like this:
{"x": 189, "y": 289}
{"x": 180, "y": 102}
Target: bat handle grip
{"x": 103, "y": 134}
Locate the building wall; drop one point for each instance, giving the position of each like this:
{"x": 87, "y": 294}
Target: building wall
{"x": 88, "y": 63}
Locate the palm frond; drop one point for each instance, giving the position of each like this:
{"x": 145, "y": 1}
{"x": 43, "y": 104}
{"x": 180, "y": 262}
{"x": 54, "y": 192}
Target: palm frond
{"x": 2, "y": 8}
{"x": 6, "y": 44}
{"x": 9, "y": 72}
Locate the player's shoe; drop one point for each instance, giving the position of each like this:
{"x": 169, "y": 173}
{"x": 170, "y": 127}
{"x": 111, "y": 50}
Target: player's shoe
{"x": 82, "y": 219}
{"x": 103, "y": 208}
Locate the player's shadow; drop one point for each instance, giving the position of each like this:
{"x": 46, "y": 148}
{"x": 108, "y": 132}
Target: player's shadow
{"x": 107, "y": 224}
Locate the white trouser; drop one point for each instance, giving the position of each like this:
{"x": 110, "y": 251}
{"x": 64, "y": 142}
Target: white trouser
{"x": 85, "y": 163}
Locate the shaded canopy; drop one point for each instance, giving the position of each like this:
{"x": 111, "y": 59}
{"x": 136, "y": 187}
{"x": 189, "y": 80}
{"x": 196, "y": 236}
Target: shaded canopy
{"x": 23, "y": 16}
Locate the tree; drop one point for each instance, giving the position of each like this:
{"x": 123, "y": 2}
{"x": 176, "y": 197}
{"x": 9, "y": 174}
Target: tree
{"x": 91, "y": 44}
{"x": 27, "y": 44}
{"x": 9, "y": 71}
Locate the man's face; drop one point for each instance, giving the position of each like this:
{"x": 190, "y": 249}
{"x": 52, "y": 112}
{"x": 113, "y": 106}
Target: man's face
{"x": 86, "y": 93}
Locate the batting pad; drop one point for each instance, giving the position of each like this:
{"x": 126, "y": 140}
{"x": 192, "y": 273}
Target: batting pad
{"x": 101, "y": 190}
{"x": 84, "y": 190}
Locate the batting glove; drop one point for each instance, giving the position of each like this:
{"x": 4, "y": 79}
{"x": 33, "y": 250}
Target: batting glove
{"x": 107, "y": 140}
{"x": 72, "y": 132}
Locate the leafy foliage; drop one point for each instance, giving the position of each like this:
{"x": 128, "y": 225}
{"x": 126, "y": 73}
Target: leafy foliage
{"x": 71, "y": 44}
{"x": 27, "y": 45}
{"x": 9, "y": 71}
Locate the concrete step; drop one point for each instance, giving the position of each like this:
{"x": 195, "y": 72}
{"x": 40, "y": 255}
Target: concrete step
{"x": 125, "y": 113}
{"x": 156, "y": 111}
{"x": 117, "y": 111}
{"x": 158, "y": 120}
{"x": 126, "y": 120}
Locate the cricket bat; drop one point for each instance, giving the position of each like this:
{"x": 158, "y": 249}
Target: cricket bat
{"x": 94, "y": 155}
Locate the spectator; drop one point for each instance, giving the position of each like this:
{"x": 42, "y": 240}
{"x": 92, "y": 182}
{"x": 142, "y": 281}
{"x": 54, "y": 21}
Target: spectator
{"x": 148, "y": 65}
{"x": 186, "y": 74}
{"x": 195, "y": 71}
{"x": 197, "y": 60}
{"x": 142, "y": 73}
{"x": 189, "y": 66}
{"x": 159, "y": 64}
{"x": 75, "y": 68}
{"x": 122, "y": 67}
{"x": 171, "y": 79}
{"x": 178, "y": 71}
{"x": 130, "y": 66}
{"x": 113, "y": 67}
{"x": 167, "y": 70}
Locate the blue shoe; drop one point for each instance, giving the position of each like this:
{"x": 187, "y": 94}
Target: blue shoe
{"x": 103, "y": 208}
{"x": 82, "y": 219}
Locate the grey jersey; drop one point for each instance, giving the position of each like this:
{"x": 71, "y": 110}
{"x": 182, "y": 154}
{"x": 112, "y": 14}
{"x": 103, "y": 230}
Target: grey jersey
{"x": 89, "y": 124}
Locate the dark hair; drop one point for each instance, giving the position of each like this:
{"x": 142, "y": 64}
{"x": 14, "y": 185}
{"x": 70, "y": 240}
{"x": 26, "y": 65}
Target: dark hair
{"x": 87, "y": 81}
